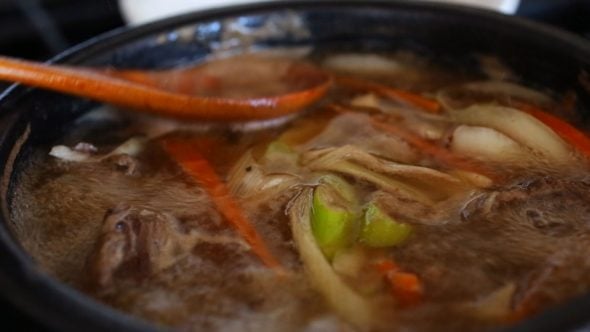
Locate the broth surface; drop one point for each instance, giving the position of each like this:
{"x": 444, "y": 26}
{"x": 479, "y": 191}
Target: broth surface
{"x": 495, "y": 222}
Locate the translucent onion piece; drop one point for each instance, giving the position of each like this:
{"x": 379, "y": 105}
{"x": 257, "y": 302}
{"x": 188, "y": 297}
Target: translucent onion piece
{"x": 247, "y": 180}
{"x": 519, "y": 126}
{"x": 349, "y": 262}
{"x": 477, "y": 180}
{"x": 486, "y": 143}
{"x": 131, "y": 147}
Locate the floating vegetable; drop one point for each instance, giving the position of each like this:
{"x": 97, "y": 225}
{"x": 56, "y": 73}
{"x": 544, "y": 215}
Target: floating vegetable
{"x": 567, "y": 132}
{"x": 199, "y": 169}
{"x": 334, "y": 214}
{"x": 380, "y": 230}
{"x": 406, "y": 179}
{"x": 406, "y": 287}
{"x": 436, "y": 152}
{"x": 354, "y": 129}
{"x": 349, "y": 262}
{"x": 519, "y": 126}
{"x": 475, "y": 179}
{"x": 486, "y": 143}
{"x": 346, "y": 302}
{"x": 248, "y": 180}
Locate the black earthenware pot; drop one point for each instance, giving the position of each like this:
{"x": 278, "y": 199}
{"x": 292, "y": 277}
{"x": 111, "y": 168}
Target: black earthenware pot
{"x": 31, "y": 119}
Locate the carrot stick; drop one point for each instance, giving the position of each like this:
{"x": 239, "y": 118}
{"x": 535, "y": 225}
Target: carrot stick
{"x": 195, "y": 165}
{"x": 420, "y": 102}
{"x": 567, "y": 132}
{"x": 405, "y": 287}
{"x": 439, "y": 154}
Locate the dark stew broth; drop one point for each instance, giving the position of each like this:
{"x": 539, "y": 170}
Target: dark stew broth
{"x": 410, "y": 198}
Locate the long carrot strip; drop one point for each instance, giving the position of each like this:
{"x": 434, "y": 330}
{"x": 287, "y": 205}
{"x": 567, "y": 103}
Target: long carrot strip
{"x": 437, "y": 153}
{"x": 569, "y": 133}
{"x": 405, "y": 287}
{"x": 420, "y": 102}
{"x": 193, "y": 163}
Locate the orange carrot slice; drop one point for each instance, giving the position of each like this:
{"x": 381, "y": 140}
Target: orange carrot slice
{"x": 405, "y": 287}
{"x": 566, "y": 131}
{"x": 199, "y": 169}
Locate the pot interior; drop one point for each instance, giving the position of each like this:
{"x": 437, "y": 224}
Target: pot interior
{"x": 452, "y": 37}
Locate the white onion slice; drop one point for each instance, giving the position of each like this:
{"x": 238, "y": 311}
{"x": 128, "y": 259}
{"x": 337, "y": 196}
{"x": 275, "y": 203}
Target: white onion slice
{"x": 519, "y": 126}
{"x": 486, "y": 143}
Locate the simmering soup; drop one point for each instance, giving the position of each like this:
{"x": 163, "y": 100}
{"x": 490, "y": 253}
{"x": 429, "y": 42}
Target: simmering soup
{"x": 409, "y": 198}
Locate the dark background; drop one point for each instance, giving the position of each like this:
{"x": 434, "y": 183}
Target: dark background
{"x": 39, "y": 29}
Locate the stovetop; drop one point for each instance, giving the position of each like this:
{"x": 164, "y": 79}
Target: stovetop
{"x": 38, "y": 29}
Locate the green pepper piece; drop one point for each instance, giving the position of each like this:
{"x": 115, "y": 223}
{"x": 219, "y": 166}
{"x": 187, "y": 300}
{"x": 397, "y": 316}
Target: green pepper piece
{"x": 333, "y": 214}
{"x": 380, "y": 230}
